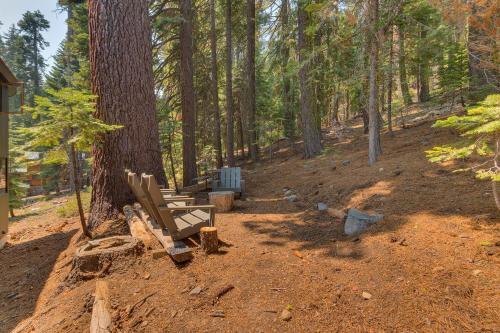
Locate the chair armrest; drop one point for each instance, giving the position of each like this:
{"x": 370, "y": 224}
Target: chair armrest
{"x": 168, "y": 200}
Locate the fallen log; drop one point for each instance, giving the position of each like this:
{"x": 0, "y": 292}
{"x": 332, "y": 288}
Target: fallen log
{"x": 101, "y": 317}
{"x": 178, "y": 250}
{"x": 137, "y": 228}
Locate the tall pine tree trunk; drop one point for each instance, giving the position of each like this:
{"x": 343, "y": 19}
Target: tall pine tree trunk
{"x": 187, "y": 95}
{"x": 122, "y": 76}
{"x": 252, "y": 127}
{"x": 403, "y": 80}
{"x": 312, "y": 139}
{"x": 390, "y": 79}
{"x": 286, "y": 96}
{"x": 215, "y": 86}
{"x": 229, "y": 87}
{"x": 374, "y": 148}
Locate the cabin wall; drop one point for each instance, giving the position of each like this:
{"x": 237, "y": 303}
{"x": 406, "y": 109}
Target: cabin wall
{"x": 4, "y": 153}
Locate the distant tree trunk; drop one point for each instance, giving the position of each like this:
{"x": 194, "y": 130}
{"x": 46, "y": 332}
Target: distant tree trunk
{"x": 374, "y": 148}
{"x": 122, "y": 76}
{"x": 229, "y": 87}
{"x": 11, "y": 211}
{"x": 241, "y": 133}
{"x": 423, "y": 74}
{"x": 187, "y": 95}
{"x": 286, "y": 97}
{"x": 405, "y": 90}
{"x": 335, "y": 108}
{"x": 312, "y": 139}
{"x": 347, "y": 105}
{"x": 252, "y": 127}
{"x": 390, "y": 80}
{"x": 215, "y": 86}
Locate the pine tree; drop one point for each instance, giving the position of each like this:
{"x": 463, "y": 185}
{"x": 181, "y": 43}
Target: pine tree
{"x": 480, "y": 130}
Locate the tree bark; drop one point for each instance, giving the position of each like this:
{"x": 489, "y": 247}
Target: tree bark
{"x": 403, "y": 80}
{"x": 374, "y": 149}
{"x": 215, "y": 86}
{"x": 252, "y": 128}
{"x": 229, "y": 87}
{"x": 122, "y": 77}
{"x": 289, "y": 115}
{"x": 390, "y": 79}
{"x": 312, "y": 140}
{"x": 187, "y": 95}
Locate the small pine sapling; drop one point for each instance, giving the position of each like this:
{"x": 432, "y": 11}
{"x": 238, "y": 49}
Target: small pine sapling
{"x": 480, "y": 129}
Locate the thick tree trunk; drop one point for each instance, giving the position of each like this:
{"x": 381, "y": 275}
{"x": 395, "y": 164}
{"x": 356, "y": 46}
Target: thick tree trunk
{"x": 312, "y": 139}
{"x": 215, "y": 86}
{"x": 187, "y": 96}
{"x": 252, "y": 127}
{"x": 374, "y": 149}
{"x": 390, "y": 79}
{"x": 229, "y": 87}
{"x": 289, "y": 115}
{"x": 403, "y": 80}
{"x": 122, "y": 77}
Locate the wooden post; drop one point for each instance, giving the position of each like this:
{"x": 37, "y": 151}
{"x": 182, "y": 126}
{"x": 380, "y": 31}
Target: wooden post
{"x": 209, "y": 239}
{"x": 101, "y": 318}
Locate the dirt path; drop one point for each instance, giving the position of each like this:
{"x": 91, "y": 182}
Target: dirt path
{"x": 430, "y": 266}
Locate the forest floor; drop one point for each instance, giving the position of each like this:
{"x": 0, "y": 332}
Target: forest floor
{"x": 432, "y": 265}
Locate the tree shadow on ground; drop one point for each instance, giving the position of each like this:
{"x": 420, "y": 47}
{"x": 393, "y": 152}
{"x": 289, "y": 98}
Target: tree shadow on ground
{"x": 25, "y": 270}
{"x": 401, "y": 186}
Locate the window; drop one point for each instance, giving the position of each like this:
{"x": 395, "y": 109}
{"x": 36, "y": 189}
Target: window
{"x": 3, "y": 175}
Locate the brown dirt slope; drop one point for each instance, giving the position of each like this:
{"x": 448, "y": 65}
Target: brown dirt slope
{"x": 430, "y": 266}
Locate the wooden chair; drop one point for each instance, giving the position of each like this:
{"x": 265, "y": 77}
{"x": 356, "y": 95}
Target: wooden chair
{"x": 135, "y": 185}
{"x": 182, "y": 226}
{"x": 229, "y": 179}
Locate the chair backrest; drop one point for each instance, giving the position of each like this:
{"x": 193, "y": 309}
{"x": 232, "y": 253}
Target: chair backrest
{"x": 155, "y": 198}
{"x": 230, "y": 177}
{"x": 135, "y": 185}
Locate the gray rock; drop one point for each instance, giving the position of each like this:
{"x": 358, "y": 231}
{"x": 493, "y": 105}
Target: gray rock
{"x": 288, "y": 193}
{"x": 358, "y": 221}
{"x": 346, "y": 162}
{"x": 322, "y": 206}
{"x": 291, "y": 198}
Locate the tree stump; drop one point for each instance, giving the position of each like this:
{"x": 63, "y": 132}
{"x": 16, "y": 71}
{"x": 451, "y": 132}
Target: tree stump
{"x": 222, "y": 200}
{"x": 209, "y": 239}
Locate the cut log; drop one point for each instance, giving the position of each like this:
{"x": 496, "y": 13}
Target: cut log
{"x": 178, "y": 250}
{"x": 209, "y": 240}
{"x": 222, "y": 200}
{"x": 101, "y": 317}
{"x": 137, "y": 228}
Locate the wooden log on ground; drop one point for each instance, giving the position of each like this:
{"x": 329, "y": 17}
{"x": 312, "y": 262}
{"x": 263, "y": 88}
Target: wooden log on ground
{"x": 209, "y": 239}
{"x": 137, "y": 228}
{"x": 222, "y": 200}
{"x": 101, "y": 317}
{"x": 178, "y": 250}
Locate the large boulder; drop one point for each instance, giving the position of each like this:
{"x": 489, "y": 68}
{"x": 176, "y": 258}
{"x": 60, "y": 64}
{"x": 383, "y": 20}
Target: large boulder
{"x": 358, "y": 221}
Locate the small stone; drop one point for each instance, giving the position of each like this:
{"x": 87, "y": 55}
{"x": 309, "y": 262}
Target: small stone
{"x": 218, "y": 314}
{"x": 381, "y": 170}
{"x": 291, "y": 198}
{"x": 147, "y": 276}
{"x": 322, "y": 206}
{"x": 286, "y": 315}
{"x": 196, "y": 291}
{"x": 144, "y": 324}
{"x": 288, "y": 193}
{"x": 366, "y": 295}
{"x": 346, "y": 162}
{"x": 476, "y": 272}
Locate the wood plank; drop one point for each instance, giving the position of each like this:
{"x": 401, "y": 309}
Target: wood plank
{"x": 137, "y": 228}
{"x": 101, "y": 317}
{"x": 178, "y": 250}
